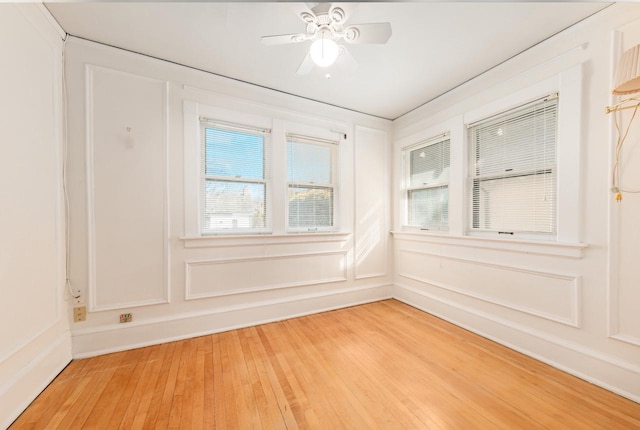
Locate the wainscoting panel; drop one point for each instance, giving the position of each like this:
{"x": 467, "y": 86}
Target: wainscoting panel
{"x": 371, "y": 230}
{"x": 548, "y": 295}
{"x": 212, "y": 278}
{"x": 127, "y": 189}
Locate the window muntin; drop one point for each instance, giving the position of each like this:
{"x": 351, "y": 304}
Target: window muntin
{"x": 427, "y": 191}
{"x": 235, "y": 181}
{"x": 311, "y": 171}
{"x": 512, "y": 170}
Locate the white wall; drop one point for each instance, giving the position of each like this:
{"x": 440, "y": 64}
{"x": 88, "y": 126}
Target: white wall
{"x": 572, "y": 303}
{"x": 134, "y": 246}
{"x": 35, "y": 344}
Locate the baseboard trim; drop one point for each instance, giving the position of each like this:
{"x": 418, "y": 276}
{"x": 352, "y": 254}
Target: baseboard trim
{"x": 608, "y": 372}
{"x": 599, "y": 364}
{"x": 25, "y": 385}
{"x": 114, "y": 338}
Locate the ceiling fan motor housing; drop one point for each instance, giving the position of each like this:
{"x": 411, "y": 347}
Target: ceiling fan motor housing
{"x": 326, "y": 18}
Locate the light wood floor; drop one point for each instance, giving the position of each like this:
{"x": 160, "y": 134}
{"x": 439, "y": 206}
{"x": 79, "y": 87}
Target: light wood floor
{"x": 382, "y": 365}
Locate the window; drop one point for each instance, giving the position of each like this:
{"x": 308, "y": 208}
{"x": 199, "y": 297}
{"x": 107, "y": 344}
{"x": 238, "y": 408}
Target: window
{"x": 427, "y": 169}
{"x": 512, "y": 170}
{"x": 234, "y": 182}
{"x": 311, "y": 171}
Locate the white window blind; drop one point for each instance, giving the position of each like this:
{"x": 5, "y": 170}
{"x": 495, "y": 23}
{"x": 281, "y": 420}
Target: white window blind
{"x": 428, "y": 184}
{"x": 311, "y": 183}
{"x": 512, "y": 170}
{"x": 235, "y": 181}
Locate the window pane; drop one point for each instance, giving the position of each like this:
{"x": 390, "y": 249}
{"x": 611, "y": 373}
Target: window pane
{"x": 308, "y": 163}
{"x": 523, "y": 203}
{"x": 234, "y": 205}
{"x": 310, "y": 207}
{"x": 512, "y": 170}
{"x": 234, "y": 154}
{"x": 429, "y": 164}
{"x": 525, "y": 141}
{"x": 429, "y": 208}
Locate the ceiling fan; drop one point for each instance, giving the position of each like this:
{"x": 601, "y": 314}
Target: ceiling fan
{"x": 325, "y": 27}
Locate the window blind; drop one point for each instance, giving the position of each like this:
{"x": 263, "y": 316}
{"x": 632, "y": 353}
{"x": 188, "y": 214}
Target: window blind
{"x": 310, "y": 173}
{"x": 428, "y": 184}
{"x": 512, "y": 170}
{"x": 235, "y": 185}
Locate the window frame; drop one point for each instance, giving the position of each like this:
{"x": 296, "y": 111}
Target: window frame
{"x": 265, "y": 180}
{"x": 333, "y": 145}
{"x": 565, "y": 78}
{"x": 470, "y": 179}
{"x": 280, "y": 122}
{"x": 408, "y": 188}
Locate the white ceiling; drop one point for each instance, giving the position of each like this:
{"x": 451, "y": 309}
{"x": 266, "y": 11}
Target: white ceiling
{"x": 434, "y": 47}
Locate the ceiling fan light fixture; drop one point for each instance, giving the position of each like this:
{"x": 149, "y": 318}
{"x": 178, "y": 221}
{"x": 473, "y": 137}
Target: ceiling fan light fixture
{"x": 325, "y": 28}
{"x": 324, "y": 52}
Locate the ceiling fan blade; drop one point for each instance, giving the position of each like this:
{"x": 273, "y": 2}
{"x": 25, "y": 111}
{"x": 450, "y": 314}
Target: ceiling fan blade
{"x": 378, "y": 32}
{"x": 341, "y": 12}
{"x": 306, "y": 66}
{"x": 346, "y": 60}
{"x": 303, "y": 12}
{"x": 281, "y": 39}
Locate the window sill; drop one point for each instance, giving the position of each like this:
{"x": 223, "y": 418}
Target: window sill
{"x": 555, "y": 249}
{"x": 262, "y": 239}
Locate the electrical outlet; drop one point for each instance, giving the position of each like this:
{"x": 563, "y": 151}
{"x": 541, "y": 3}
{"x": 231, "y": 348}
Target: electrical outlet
{"x": 78, "y": 299}
{"x": 79, "y": 313}
{"x": 124, "y": 318}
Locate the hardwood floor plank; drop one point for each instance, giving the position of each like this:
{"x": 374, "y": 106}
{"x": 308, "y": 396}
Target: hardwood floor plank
{"x": 271, "y": 386}
{"x": 123, "y": 403}
{"x": 362, "y": 412}
{"x": 220, "y": 413}
{"x": 368, "y": 378}
{"x": 246, "y": 406}
{"x": 105, "y": 405}
{"x": 365, "y": 385}
{"x": 298, "y": 398}
{"x": 382, "y": 365}
{"x": 162, "y": 419}
{"x": 82, "y": 411}
{"x": 177, "y": 402}
{"x": 266, "y": 402}
{"x": 85, "y": 378}
{"x": 186, "y": 418}
{"x": 317, "y": 374}
{"x": 68, "y": 405}
{"x": 197, "y": 414}
{"x": 161, "y": 383}
{"x": 136, "y": 415}
{"x": 439, "y": 405}
{"x": 208, "y": 405}
{"x": 291, "y": 398}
